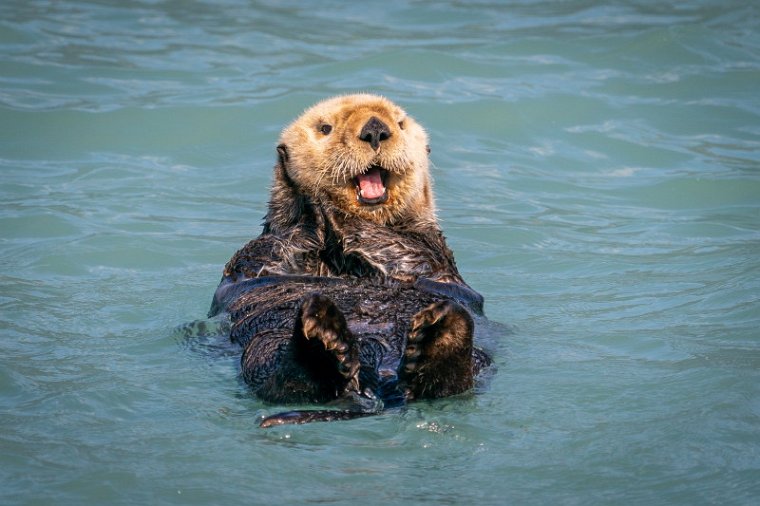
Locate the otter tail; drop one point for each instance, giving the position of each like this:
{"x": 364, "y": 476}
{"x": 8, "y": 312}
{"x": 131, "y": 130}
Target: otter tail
{"x": 347, "y": 407}
{"x": 311, "y": 415}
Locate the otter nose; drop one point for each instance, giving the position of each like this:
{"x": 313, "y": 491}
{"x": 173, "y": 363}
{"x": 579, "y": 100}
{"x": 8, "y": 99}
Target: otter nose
{"x": 374, "y": 132}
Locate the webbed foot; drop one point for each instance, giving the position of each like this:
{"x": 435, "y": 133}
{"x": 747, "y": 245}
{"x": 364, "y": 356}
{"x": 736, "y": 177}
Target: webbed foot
{"x": 437, "y": 360}
{"x": 325, "y": 346}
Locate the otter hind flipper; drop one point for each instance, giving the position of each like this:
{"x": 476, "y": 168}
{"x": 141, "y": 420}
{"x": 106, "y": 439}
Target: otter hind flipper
{"x": 325, "y": 345}
{"x": 317, "y": 360}
{"x": 437, "y": 360}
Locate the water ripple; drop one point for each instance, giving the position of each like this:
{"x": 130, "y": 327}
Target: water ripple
{"x": 596, "y": 173}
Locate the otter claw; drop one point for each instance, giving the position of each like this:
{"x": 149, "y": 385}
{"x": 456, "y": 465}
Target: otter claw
{"x": 353, "y": 386}
{"x": 330, "y": 350}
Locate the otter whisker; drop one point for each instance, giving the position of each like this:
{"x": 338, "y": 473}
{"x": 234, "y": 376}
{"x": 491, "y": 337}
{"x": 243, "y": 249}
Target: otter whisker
{"x": 322, "y": 175}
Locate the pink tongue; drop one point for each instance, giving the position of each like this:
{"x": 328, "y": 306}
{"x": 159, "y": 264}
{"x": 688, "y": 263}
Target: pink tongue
{"x": 371, "y": 184}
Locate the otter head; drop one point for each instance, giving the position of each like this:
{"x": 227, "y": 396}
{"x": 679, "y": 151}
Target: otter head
{"x": 363, "y": 154}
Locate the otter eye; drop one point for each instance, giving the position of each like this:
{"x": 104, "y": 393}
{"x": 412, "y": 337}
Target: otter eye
{"x": 325, "y": 129}
{"x": 401, "y": 124}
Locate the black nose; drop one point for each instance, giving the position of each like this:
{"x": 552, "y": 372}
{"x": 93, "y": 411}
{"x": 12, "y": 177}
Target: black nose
{"x": 374, "y": 132}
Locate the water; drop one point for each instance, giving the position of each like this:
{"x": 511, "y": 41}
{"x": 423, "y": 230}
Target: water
{"x": 597, "y": 176}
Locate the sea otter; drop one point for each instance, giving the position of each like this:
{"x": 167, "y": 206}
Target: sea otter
{"x": 350, "y": 291}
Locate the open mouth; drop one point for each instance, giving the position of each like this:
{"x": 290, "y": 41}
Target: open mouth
{"x": 370, "y": 186}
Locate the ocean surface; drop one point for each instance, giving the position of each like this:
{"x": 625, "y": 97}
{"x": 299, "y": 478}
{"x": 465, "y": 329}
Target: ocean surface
{"x": 597, "y": 170}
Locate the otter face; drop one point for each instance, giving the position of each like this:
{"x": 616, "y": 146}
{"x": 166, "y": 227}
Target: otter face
{"x": 363, "y": 154}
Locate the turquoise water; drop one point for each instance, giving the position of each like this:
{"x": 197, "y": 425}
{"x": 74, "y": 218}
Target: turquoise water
{"x": 598, "y": 176}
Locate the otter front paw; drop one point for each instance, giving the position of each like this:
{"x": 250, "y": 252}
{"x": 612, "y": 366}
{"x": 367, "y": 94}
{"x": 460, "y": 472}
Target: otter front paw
{"x": 325, "y": 346}
{"x": 437, "y": 360}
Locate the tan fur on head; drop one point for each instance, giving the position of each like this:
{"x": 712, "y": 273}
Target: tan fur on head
{"x": 327, "y": 147}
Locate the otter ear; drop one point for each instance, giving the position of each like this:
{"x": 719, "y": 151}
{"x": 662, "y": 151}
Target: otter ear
{"x": 427, "y": 148}
{"x": 286, "y": 203}
{"x": 281, "y": 171}
{"x": 282, "y": 153}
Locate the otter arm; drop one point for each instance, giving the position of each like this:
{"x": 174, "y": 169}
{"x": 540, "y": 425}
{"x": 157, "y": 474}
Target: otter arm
{"x": 264, "y": 261}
